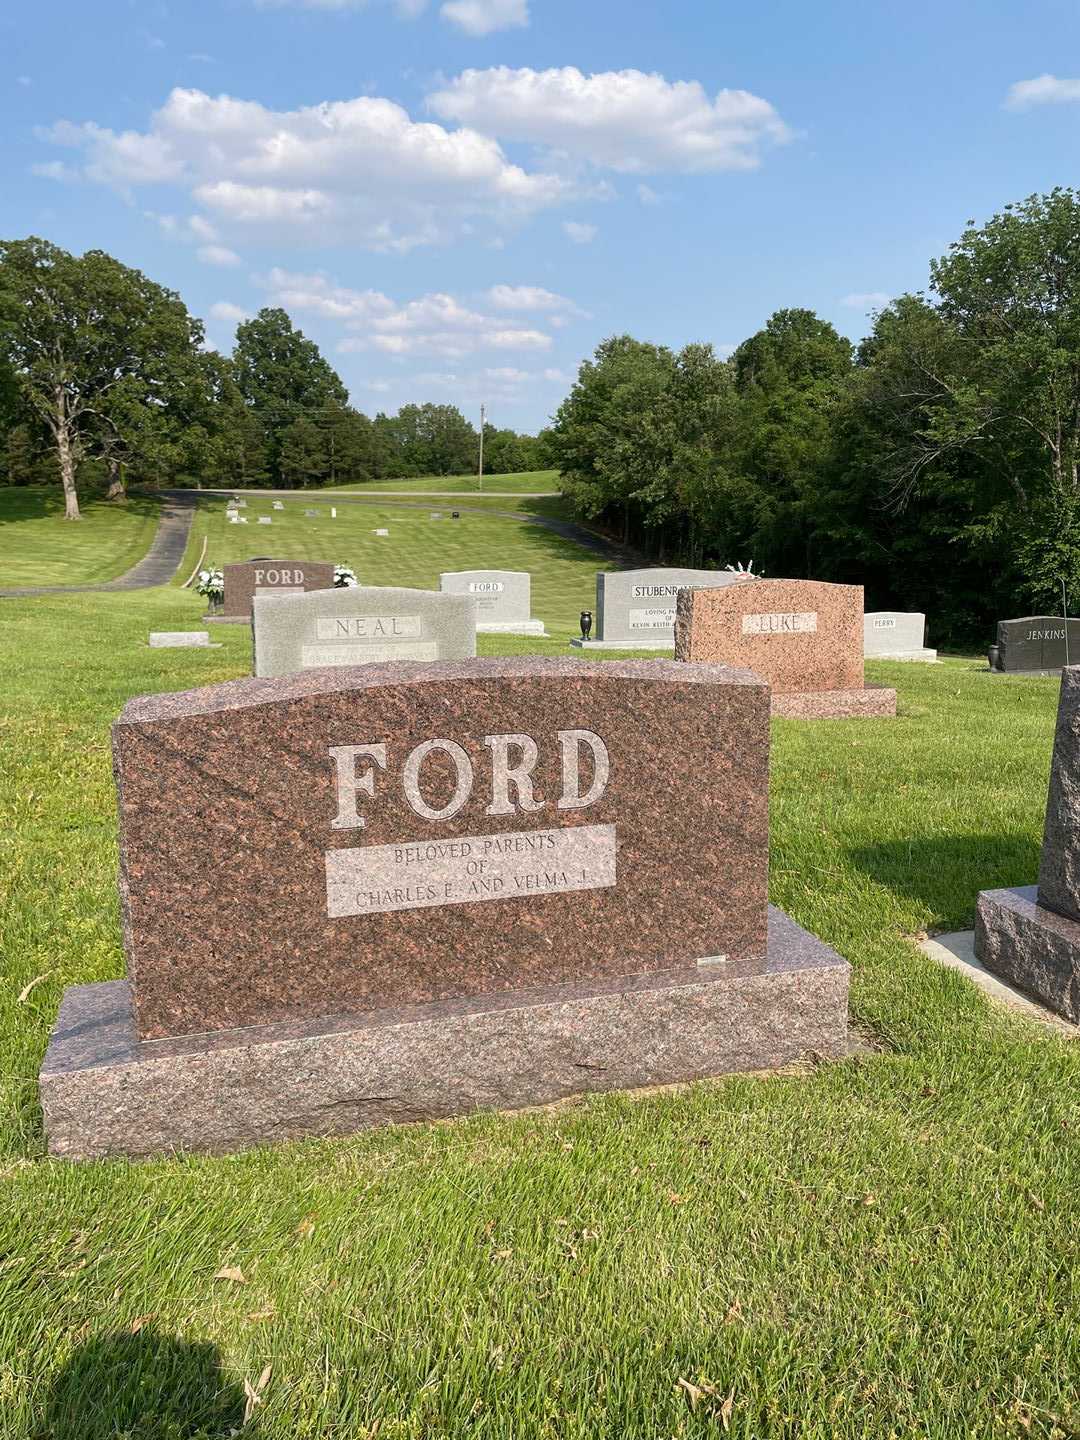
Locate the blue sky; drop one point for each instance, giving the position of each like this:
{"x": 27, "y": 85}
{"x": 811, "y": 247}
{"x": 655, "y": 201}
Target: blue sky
{"x": 459, "y": 198}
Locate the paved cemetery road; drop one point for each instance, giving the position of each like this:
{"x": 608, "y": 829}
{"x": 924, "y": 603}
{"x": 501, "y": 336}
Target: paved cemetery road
{"x": 588, "y": 539}
{"x": 158, "y": 565}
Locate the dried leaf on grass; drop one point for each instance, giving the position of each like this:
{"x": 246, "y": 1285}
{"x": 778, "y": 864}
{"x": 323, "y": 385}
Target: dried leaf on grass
{"x": 254, "y": 1393}
{"x": 140, "y": 1322}
{"x": 25, "y": 991}
{"x": 231, "y": 1272}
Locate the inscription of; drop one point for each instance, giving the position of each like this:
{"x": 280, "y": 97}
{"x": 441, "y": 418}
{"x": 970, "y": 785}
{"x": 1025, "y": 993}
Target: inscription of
{"x": 654, "y": 618}
{"x": 512, "y": 865}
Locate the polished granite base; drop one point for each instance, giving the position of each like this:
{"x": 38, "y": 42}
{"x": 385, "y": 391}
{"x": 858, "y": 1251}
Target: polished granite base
{"x": 103, "y": 1093}
{"x": 1036, "y": 949}
{"x": 867, "y": 703}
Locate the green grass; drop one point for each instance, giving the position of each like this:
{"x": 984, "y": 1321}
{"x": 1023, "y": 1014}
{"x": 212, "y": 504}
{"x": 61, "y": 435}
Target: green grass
{"x": 524, "y": 482}
{"x": 885, "y": 1247}
{"x": 415, "y": 552}
{"x": 46, "y": 549}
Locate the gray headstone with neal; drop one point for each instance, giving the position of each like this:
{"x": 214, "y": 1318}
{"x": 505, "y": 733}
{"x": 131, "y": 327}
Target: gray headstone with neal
{"x": 359, "y": 625}
{"x": 503, "y": 599}
{"x": 895, "y": 635}
{"x": 1030, "y": 934}
{"x": 1036, "y": 643}
{"x": 635, "y": 609}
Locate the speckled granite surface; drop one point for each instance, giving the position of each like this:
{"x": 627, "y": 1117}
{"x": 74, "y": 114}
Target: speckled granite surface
{"x": 104, "y": 1093}
{"x": 230, "y": 851}
{"x": 867, "y": 702}
{"x": 1036, "y": 948}
{"x": 798, "y": 634}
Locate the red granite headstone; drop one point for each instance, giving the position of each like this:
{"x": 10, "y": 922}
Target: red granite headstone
{"x": 411, "y": 833}
{"x": 270, "y": 577}
{"x": 804, "y": 636}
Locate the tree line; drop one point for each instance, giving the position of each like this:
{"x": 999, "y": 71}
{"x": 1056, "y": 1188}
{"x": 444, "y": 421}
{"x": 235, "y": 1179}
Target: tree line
{"x": 936, "y": 463}
{"x": 104, "y": 373}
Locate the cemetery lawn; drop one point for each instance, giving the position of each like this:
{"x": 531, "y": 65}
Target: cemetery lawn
{"x": 46, "y": 549}
{"x": 523, "y": 482}
{"x": 883, "y": 1247}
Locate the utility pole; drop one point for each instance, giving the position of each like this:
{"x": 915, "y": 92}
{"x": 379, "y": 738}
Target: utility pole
{"x": 480, "y": 474}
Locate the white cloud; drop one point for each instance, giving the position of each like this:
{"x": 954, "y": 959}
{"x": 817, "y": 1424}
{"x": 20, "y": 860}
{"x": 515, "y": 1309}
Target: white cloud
{"x": 647, "y": 195}
{"x": 580, "y": 232}
{"x": 866, "y": 300}
{"x": 620, "y": 120}
{"x": 483, "y": 17}
{"x": 225, "y": 310}
{"x": 357, "y": 171}
{"x": 217, "y": 255}
{"x": 530, "y": 297}
{"x": 1044, "y": 90}
{"x": 436, "y": 324}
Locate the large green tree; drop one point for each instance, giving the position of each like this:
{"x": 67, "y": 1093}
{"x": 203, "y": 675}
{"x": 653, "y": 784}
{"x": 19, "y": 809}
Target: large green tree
{"x": 284, "y": 378}
{"x": 91, "y": 343}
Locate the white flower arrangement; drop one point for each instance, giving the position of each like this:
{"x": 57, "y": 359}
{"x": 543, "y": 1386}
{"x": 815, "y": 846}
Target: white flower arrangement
{"x": 211, "y": 583}
{"x": 748, "y": 570}
{"x": 344, "y": 577}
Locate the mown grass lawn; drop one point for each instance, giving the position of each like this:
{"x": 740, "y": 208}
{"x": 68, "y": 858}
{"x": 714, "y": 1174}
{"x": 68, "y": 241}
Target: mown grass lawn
{"x": 523, "y": 482}
{"x": 885, "y": 1247}
{"x": 417, "y": 550}
{"x": 39, "y": 547}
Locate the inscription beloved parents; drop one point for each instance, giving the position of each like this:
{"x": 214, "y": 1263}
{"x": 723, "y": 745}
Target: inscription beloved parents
{"x": 314, "y": 841}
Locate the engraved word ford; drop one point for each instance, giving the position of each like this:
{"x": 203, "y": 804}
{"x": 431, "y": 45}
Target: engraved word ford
{"x": 404, "y": 834}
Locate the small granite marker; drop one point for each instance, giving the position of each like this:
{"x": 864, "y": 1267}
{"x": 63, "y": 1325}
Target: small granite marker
{"x": 635, "y": 609}
{"x": 895, "y": 635}
{"x": 1031, "y": 935}
{"x": 181, "y": 640}
{"x": 405, "y": 892}
{"x": 1037, "y": 644}
{"x": 382, "y": 532}
{"x": 265, "y": 576}
{"x": 503, "y": 599}
{"x": 804, "y": 636}
{"x": 265, "y": 520}
{"x": 357, "y": 625}
{"x": 277, "y": 505}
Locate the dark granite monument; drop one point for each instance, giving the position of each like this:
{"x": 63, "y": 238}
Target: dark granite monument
{"x": 804, "y": 636}
{"x": 263, "y": 576}
{"x": 413, "y": 890}
{"x": 1031, "y": 935}
{"x": 1036, "y": 644}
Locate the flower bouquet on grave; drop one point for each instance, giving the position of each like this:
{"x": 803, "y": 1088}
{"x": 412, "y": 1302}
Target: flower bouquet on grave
{"x": 211, "y": 585}
{"x": 748, "y": 570}
{"x": 344, "y": 577}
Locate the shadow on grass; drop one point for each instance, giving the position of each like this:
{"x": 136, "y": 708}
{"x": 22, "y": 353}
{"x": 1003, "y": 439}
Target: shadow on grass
{"x": 148, "y": 1386}
{"x": 946, "y": 872}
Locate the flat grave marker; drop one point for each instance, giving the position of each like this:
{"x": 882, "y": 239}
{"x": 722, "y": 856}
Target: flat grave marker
{"x": 181, "y": 640}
